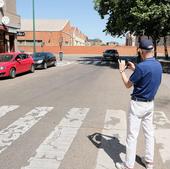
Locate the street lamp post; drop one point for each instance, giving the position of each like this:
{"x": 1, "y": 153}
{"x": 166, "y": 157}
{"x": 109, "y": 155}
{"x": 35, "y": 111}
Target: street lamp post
{"x": 33, "y": 12}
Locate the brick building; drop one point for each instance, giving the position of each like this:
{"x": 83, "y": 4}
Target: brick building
{"x": 9, "y": 24}
{"x": 50, "y": 33}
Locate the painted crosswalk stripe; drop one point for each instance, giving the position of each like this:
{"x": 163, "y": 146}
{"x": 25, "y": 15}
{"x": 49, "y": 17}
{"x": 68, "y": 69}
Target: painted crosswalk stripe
{"x": 52, "y": 151}
{"x": 96, "y": 62}
{"x": 162, "y": 134}
{"x": 19, "y": 127}
{"x": 64, "y": 63}
{"x": 6, "y": 109}
{"x": 112, "y": 139}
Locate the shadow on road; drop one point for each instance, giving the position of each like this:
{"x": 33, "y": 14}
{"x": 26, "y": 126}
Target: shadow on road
{"x": 111, "y": 145}
{"x": 97, "y": 61}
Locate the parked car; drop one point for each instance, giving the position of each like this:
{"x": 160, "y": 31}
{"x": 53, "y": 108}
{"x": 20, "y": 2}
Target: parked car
{"x": 44, "y": 59}
{"x": 14, "y": 63}
{"x": 110, "y": 55}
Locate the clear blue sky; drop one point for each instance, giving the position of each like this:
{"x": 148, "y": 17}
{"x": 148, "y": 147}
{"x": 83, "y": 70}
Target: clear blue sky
{"x": 81, "y": 14}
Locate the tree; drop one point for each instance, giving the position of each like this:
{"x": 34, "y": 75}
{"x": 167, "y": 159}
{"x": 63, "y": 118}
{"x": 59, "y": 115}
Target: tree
{"x": 117, "y": 13}
{"x": 164, "y": 34}
{"x": 140, "y": 17}
{"x": 154, "y": 17}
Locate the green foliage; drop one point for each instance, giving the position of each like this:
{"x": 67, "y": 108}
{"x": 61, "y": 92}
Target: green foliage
{"x": 117, "y": 14}
{"x": 148, "y": 17}
{"x": 153, "y": 17}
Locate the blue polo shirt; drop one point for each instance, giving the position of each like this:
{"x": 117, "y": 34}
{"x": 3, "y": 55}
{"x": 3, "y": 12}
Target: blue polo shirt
{"x": 146, "y": 79}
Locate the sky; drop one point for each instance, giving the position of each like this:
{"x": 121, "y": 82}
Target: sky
{"x": 80, "y": 13}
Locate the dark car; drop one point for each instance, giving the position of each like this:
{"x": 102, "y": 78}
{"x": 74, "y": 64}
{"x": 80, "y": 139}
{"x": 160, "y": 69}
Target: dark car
{"x": 110, "y": 55}
{"x": 44, "y": 59}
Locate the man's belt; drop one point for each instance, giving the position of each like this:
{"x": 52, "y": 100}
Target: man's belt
{"x": 140, "y": 99}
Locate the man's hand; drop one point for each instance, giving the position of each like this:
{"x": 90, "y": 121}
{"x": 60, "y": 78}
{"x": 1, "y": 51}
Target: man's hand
{"x": 131, "y": 65}
{"x": 122, "y": 66}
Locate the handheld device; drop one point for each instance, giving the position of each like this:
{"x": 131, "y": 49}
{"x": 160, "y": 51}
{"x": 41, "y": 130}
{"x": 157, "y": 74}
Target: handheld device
{"x": 126, "y": 60}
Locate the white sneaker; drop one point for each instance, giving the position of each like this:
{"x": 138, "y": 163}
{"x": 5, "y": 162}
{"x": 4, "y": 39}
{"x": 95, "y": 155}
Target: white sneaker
{"x": 121, "y": 166}
{"x": 148, "y": 165}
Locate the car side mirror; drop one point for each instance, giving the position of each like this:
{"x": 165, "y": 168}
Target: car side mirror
{"x": 18, "y": 59}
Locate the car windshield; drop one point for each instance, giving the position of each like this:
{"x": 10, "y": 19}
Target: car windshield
{"x": 112, "y": 51}
{"x": 107, "y": 51}
{"x": 39, "y": 55}
{"x": 6, "y": 58}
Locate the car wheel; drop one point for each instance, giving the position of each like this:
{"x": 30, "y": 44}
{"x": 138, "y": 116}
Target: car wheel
{"x": 45, "y": 65}
{"x": 12, "y": 73}
{"x": 32, "y": 70}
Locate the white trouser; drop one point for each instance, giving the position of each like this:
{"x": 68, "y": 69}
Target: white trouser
{"x": 139, "y": 112}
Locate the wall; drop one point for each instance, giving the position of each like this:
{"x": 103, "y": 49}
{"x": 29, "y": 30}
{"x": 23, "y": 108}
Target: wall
{"x": 90, "y": 50}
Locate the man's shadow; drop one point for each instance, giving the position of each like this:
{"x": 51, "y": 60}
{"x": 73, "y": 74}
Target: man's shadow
{"x": 112, "y": 146}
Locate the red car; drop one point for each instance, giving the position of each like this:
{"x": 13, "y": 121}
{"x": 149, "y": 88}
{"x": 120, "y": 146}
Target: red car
{"x": 14, "y": 63}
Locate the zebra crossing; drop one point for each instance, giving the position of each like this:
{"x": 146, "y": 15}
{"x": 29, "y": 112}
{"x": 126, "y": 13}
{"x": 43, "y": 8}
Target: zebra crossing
{"x": 51, "y": 152}
{"x": 5, "y": 109}
{"x": 92, "y": 62}
{"x": 162, "y": 134}
{"x": 97, "y": 62}
{"x": 112, "y": 145}
{"x": 21, "y": 126}
{"x": 64, "y": 63}
{"x": 85, "y": 62}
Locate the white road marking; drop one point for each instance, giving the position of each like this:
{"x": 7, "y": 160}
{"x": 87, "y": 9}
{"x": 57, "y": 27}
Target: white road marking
{"x": 104, "y": 63}
{"x": 64, "y": 63}
{"x": 5, "y": 109}
{"x": 87, "y": 62}
{"x": 113, "y": 139}
{"x": 162, "y": 134}
{"x": 19, "y": 127}
{"x": 160, "y": 119}
{"x": 52, "y": 151}
{"x": 80, "y": 62}
{"x": 96, "y": 62}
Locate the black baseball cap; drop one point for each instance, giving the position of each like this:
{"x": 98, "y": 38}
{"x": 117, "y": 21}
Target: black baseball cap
{"x": 146, "y": 44}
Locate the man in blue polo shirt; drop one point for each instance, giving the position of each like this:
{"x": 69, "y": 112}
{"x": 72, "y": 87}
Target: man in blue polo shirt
{"x": 146, "y": 80}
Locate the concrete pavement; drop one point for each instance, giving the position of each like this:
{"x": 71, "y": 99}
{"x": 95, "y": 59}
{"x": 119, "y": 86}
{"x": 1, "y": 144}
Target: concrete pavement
{"x": 73, "y": 117}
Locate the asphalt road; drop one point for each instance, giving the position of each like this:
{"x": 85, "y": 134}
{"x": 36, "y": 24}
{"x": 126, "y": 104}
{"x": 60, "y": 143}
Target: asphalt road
{"x": 73, "y": 116}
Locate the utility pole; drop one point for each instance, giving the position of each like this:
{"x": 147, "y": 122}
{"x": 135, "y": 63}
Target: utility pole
{"x": 33, "y": 13}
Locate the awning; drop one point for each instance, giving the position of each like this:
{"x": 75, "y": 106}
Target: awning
{"x": 3, "y": 27}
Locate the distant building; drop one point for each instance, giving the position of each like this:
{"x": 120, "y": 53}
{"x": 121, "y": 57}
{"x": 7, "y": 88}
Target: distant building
{"x": 130, "y": 39}
{"x": 95, "y": 42}
{"x": 133, "y": 40}
{"x": 9, "y": 24}
{"x": 50, "y": 33}
{"x": 112, "y": 43}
